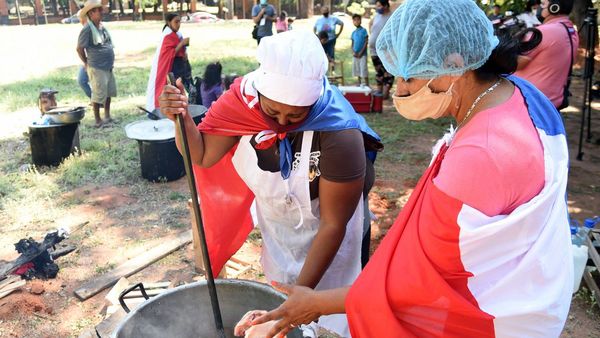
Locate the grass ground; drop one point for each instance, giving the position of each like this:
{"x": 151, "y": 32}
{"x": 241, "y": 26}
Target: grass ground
{"x": 128, "y": 214}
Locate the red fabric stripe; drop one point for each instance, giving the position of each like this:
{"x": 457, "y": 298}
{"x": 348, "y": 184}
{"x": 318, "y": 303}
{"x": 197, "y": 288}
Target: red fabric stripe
{"x": 415, "y": 284}
{"x": 165, "y": 62}
{"x": 225, "y": 202}
{"x": 231, "y": 116}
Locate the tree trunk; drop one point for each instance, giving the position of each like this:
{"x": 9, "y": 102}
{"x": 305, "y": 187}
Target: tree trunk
{"x": 306, "y": 8}
{"x": 121, "y": 9}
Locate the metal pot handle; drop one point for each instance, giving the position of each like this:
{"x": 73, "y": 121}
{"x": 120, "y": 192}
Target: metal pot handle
{"x": 128, "y": 290}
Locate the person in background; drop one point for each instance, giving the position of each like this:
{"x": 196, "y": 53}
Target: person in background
{"x": 95, "y": 49}
{"x": 324, "y": 40}
{"x": 82, "y": 77}
{"x": 170, "y": 56}
{"x": 263, "y": 15}
{"x": 360, "y": 39}
{"x": 529, "y": 17}
{"x": 282, "y": 23}
{"x": 212, "y": 86}
{"x": 482, "y": 248}
{"x": 328, "y": 24}
{"x": 384, "y": 79}
{"x": 84, "y": 81}
{"x": 548, "y": 65}
{"x": 496, "y": 14}
{"x": 290, "y": 21}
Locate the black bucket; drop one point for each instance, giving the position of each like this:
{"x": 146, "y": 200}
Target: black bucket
{"x": 51, "y": 144}
{"x": 160, "y": 160}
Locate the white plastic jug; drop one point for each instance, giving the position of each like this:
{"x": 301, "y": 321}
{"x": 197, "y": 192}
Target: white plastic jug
{"x": 580, "y": 257}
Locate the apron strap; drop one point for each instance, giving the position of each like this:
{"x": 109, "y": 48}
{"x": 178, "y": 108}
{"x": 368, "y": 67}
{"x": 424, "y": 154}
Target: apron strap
{"x": 307, "y": 138}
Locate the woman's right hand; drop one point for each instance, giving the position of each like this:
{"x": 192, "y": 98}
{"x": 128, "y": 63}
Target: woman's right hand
{"x": 173, "y": 101}
{"x": 299, "y": 308}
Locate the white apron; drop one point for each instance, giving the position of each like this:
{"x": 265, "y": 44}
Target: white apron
{"x": 289, "y": 221}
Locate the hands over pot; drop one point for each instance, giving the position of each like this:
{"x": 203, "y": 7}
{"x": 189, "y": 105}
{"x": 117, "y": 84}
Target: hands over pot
{"x": 244, "y": 327}
{"x": 299, "y": 308}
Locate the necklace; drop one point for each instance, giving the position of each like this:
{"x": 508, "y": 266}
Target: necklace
{"x": 487, "y": 91}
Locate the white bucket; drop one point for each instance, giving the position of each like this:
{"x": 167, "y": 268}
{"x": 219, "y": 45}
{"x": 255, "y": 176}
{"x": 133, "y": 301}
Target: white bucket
{"x": 580, "y": 257}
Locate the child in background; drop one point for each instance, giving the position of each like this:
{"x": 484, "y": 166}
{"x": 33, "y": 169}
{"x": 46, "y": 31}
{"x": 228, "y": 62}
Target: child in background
{"x": 281, "y": 25}
{"x": 324, "y": 38}
{"x": 359, "y": 38}
{"x": 211, "y": 87}
{"x": 290, "y": 22}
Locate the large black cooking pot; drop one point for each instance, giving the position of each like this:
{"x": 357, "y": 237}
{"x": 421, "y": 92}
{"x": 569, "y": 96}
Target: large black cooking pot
{"x": 186, "y": 311}
{"x": 159, "y": 158}
{"x": 51, "y": 144}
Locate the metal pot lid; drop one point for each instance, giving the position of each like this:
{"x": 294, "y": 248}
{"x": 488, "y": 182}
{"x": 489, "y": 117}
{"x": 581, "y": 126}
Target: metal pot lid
{"x": 193, "y": 109}
{"x": 149, "y": 130}
{"x": 65, "y": 109}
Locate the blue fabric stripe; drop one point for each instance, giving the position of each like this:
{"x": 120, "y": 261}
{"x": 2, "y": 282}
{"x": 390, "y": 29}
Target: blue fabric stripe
{"x": 331, "y": 112}
{"x": 541, "y": 110}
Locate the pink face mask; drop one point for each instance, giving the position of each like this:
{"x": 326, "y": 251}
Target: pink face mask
{"x": 424, "y": 103}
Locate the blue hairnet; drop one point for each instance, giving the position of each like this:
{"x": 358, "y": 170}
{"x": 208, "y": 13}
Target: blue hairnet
{"x": 430, "y": 38}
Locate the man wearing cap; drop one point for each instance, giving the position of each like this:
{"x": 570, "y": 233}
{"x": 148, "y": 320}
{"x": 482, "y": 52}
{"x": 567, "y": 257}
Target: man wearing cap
{"x": 283, "y": 137}
{"x": 95, "y": 49}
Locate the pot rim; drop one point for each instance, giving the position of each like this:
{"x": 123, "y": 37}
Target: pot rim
{"x": 148, "y": 302}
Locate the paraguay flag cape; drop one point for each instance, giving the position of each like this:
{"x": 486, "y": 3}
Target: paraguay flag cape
{"x": 447, "y": 270}
{"x": 225, "y": 199}
{"x": 161, "y": 65}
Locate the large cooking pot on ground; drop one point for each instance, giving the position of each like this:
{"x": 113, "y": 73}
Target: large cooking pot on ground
{"x": 159, "y": 158}
{"x": 51, "y": 144}
{"x": 186, "y": 311}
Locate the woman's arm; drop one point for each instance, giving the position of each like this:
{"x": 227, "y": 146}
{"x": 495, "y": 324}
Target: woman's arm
{"x": 182, "y": 43}
{"x": 206, "y": 149}
{"x": 338, "y": 201}
{"x": 340, "y": 188}
{"x": 303, "y": 306}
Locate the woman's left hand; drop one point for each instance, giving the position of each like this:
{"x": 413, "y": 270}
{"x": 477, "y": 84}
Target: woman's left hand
{"x": 300, "y": 308}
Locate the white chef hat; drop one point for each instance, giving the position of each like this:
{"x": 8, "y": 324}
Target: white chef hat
{"x": 292, "y": 67}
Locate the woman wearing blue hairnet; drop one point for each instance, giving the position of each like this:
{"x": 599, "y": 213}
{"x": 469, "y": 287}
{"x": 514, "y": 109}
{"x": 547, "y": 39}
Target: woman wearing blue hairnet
{"x": 482, "y": 248}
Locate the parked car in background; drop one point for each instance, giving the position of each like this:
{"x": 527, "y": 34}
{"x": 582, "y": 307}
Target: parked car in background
{"x": 200, "y": 17}
{"x": 72, "y": 19}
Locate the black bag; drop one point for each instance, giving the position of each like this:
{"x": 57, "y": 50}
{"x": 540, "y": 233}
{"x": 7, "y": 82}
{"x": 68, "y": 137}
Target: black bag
{"x": 566, "y": 93}
{"x": 255, "y": 32}
{"x": 196, "y": 84}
